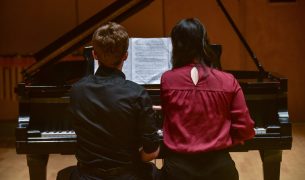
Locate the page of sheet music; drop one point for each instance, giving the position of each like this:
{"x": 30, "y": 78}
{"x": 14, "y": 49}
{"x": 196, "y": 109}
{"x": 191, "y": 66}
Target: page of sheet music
{"x": 150, "y": 58}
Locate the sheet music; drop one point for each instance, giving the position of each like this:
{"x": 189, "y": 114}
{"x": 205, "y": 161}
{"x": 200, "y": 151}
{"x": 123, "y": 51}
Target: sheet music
{"x": 147, "y": 59}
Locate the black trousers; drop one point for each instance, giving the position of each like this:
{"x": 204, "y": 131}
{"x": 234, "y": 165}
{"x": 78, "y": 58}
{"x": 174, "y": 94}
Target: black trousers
{"x": 146, "y": 171}
{"x": 205, "y": 166}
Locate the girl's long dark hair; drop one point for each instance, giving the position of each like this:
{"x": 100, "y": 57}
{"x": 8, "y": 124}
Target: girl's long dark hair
{"x": 189, "y": 40}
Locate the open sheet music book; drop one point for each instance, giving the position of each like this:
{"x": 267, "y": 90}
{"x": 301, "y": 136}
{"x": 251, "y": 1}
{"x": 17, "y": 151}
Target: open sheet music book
{"x": 147, "y": 59}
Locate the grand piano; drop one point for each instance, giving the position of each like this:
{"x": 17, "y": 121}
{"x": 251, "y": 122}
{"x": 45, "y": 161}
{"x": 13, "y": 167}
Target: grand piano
{"x": 45, "y": 127}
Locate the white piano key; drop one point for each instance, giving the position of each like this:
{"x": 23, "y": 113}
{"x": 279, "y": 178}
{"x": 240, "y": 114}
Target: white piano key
{"x": 156, "y": 107}
{"x": 160, "y": 132}
{"x": 260, "y": 130}
{"x": 283, "y": 114}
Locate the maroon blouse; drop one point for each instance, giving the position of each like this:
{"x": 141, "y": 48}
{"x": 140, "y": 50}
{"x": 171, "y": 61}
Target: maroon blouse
{"x": 211, "y": 115}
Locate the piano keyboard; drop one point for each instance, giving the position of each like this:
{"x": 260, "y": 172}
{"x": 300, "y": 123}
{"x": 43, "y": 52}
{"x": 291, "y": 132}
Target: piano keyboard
{"x": 258, "y": 131}
{"x": 58, "y": 134}
{"x": 71, "y": 133}
{"x": 36, "y": 134}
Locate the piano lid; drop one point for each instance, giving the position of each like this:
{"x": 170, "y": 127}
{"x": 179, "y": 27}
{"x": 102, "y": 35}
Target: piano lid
{"x": 117, "y": 11}
{"x": 262, "y": 72}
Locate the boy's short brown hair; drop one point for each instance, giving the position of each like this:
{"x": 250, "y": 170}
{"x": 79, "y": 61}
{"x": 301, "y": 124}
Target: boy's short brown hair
{"x": 110, "y": 43}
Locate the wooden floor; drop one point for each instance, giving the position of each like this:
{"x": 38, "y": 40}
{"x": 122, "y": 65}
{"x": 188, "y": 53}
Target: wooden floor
{"x": 14, "y": 167}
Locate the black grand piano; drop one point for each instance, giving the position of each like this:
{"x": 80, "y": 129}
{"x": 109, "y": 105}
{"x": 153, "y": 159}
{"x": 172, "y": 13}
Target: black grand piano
{"x": 44, "y": 125}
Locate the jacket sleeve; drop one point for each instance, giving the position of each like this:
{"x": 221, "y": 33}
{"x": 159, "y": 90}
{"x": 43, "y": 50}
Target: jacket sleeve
{"x": 147, "y": 124}
{"x": 242, "y": 126}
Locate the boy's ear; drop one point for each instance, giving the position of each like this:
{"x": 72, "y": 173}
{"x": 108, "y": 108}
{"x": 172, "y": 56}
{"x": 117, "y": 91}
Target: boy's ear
{"x": 94, "y": 54}
{"x": 125, "y": 56}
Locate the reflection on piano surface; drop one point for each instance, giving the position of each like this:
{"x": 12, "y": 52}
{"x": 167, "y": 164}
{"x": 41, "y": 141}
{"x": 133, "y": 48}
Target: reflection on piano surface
{"x": 45, "y": 127}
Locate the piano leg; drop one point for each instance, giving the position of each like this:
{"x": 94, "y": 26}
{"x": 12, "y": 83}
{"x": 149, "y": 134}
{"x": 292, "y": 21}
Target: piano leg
{"x": 37, "y": 164}
{"x": 271, "y": 163}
